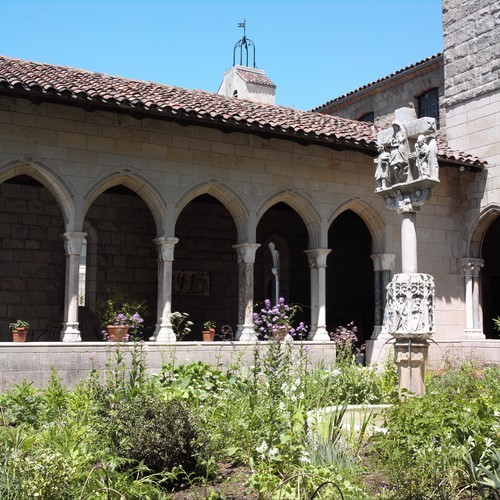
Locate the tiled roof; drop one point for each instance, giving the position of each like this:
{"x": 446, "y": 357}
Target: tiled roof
{"x": 414, "y": 66}
{"x": 255, "y": 78}
{"x": 82, "y": 87}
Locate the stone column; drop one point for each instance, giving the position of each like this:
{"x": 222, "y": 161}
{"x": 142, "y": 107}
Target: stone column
{"x": 317, "y": 264}
{"x": 383, "y": 265}
{"x": 73, "y": 247}
{"x": 245, "y": 331}
{"x": 470, "y": 270}
{"x": 163, "y": 331}
{"x": 408, "y": 241}
{"x": 410, "y": 357}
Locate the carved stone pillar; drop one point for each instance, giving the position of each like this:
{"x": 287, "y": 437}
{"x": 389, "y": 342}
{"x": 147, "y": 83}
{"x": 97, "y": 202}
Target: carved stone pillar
{"x": 470, "y": 270}
{"x": 163, "y": 331}
{"x": 317, "y": 264}
{"x": 383, "y": 265}
{"x": 73, "y": 247}
{"x": 245, "y": 331}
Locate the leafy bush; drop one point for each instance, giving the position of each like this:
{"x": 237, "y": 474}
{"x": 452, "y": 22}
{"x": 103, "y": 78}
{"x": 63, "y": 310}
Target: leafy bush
{"x": 427, "y": 436}
{"x": 159, "y": 433}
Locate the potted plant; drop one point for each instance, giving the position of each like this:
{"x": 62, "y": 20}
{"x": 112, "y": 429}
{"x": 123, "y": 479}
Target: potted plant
{"x": 208, "y": 333}
{"x": 120, "y": 316}
{"x": 19, "y": 330}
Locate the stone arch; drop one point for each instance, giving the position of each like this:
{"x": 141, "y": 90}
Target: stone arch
{"x": 484, "y": 244}
{"x": 53, "y": 183}
{"x": 370, "y": 217}
{"x": 231, "y": 201}
{"x": 303, "y": 207}
{"x": 140, "y": 186}
{"x": 486, "y": 218}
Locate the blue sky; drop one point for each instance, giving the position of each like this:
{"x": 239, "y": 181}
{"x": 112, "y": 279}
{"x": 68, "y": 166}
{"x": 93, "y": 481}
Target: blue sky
{"x": 314, "y": 50}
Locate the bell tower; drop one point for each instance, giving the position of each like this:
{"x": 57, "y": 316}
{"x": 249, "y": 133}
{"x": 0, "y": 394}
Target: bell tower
{"x": 243, "y": 81}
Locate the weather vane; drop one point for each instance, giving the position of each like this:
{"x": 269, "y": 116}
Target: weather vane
{"x": 244, "y": 43}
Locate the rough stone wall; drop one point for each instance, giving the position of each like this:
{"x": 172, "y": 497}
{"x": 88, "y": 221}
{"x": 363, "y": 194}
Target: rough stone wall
{"x": 472, "y": 78}
{"x": 472, "y": 47}
{"x": 206, "y": 234}
{"x": 32, "y": 258}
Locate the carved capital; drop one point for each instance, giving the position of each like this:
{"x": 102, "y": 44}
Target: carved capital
{"x": 471, "y": 267}
{"x": 246, "y": 252}
{"x": 73, "y": 242}
{"x": 383, "y": 261}
{"x": 317, "y": 257}
{"x": 165, "y": 248}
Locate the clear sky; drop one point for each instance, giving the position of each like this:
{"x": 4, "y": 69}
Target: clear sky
{"x": 313, "y": 50}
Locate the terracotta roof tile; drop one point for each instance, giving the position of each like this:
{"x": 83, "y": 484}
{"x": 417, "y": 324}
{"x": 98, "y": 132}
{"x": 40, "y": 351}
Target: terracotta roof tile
{"x": 71, "y": 85}
{"x": 255, "y": 78}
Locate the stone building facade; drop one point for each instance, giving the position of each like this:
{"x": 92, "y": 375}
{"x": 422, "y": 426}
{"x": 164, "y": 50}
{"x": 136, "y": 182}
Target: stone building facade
{"x": 175, "y": 195}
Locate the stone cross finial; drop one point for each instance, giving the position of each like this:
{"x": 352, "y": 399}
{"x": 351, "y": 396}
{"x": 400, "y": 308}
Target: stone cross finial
{"x": 407, "y": 152}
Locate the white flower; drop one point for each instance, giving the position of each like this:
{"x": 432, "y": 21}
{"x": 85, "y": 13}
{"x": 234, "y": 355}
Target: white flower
{"x": 304, "y": 458}
{"x": 335, "y": 373}
{"x": 262, "y": 448}
{"x": 273, "y": 452}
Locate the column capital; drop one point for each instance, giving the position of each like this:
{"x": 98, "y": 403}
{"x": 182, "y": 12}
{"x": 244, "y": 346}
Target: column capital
{"x": 383, "y": 261}
{"x": 471, "y": 266}
{"x": 73, "y": 241}
{"x": 165, "y": 248}
{"x": 246, "y": 252}
{"x": 317, "y": 257}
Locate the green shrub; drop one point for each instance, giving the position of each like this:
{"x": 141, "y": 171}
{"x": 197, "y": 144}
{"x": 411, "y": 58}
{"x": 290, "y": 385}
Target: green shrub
{"x": 159, "y": 433}
{"x": 423, "y": 450}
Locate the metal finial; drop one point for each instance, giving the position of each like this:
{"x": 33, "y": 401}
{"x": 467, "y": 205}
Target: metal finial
{"x": 244, "y": 43}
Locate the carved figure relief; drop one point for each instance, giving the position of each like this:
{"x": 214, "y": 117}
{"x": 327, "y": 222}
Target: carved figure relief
{"x": 407, "y": 313}
{"x": 398, "y": 154}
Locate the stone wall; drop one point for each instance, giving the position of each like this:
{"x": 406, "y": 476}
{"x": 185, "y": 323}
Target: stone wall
{"x": 472, "y": 44}
{"x": 472, "y": 79}
{"x": 79, "y": 154}
{"x": 31, "y": 257}
{"x": 388, "y": 95}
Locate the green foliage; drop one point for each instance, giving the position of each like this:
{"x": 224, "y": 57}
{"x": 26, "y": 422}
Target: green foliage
{"x": 19, "y": 323}
{"x": 162, "y": 437}
{"x": 209, "y": 325}
{"x": 21, "y": 405}
{"x": 180, "y": 324}
{"x": 424, "y": 447}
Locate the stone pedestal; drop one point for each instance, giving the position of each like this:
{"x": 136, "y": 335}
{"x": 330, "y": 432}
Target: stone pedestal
{"x": 410, "y": 355}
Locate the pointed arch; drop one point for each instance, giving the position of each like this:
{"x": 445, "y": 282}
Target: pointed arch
{"x": 304, "y": 209}
{"x": 144, "y": 189}
{"x": 53, "y": 183}
{"x": 486, "y": 218}
{"x": 370, "y": 217}
{"x": 228, "y": 198}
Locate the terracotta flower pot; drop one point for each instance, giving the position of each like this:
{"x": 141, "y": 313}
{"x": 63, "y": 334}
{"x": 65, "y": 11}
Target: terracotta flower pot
{"x": 117, "y": 333}
{"x": 208, "y": 335}
{"x": 19, "y": 335}
{"x": 281, "y": 333}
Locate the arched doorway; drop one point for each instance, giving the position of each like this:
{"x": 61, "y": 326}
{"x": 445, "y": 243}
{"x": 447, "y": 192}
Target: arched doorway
{"x": 490, "y": 279}
{"x": 282, "y": 226}
{"x": 205, "y": 270}
{"x": 350, "y": 279}
{"x": 121, "y": 257}
{"x": 32, "y": 257}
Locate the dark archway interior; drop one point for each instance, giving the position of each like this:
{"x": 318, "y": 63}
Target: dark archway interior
{"x": 205, "y": 269}
{"x": 32, "y": 257}
{"x": 491, "y": 279}
{"x": 283, "y": 226}
{"x": 350, "y": 281}
{"x": 125, "y": 257}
